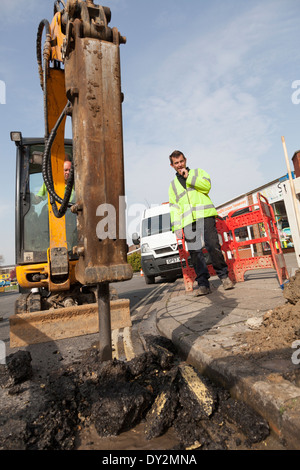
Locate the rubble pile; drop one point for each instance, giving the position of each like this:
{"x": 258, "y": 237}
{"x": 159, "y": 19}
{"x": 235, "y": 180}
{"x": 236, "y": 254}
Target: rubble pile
{"x": 292, "y": 289}
{"x": 114, "y": 396}
{"x": 279, "y": 327}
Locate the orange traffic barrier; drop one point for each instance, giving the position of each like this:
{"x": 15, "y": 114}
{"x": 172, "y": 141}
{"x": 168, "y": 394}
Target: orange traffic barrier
{"x": 261, "y": 215}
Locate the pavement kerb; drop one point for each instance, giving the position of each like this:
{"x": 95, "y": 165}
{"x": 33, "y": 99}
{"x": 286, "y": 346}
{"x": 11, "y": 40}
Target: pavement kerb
{"x": 278, "y": 403}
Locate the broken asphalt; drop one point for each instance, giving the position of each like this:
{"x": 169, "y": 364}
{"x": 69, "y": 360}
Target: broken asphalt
{"x": 207, "y": 330}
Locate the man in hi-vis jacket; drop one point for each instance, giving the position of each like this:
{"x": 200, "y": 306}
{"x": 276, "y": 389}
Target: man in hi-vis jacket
{"x": 192, "y": 211}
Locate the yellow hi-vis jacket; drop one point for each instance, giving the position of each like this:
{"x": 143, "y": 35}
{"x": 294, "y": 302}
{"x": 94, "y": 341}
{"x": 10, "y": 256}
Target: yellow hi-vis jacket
{"x": 190, "y": 204}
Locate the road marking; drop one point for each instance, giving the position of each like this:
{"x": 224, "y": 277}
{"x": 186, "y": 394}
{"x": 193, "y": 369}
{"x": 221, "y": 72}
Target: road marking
{"x": 198, "y": 388}
{"x": 114, "y": 343}
{"x": 128, "y": 346}
{"x": 122, "y": 344}
{"x": 117, "y": 345}
{"x": 151, "y": 294}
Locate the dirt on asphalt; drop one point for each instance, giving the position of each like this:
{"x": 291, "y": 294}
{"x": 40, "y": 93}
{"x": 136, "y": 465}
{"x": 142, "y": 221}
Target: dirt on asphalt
{"x": 58, "y": 410}
{"x": 150, "y": 392}
{"x": 279, "y": 333}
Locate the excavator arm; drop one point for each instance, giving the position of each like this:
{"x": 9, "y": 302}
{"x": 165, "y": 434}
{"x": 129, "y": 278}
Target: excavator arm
{"x": 79, "y": 68}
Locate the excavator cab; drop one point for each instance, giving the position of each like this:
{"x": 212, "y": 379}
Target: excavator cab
{"x": 32, "y": 239}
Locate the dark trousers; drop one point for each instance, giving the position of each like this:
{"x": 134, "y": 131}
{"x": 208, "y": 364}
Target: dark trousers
{"x": 198, "y": 235}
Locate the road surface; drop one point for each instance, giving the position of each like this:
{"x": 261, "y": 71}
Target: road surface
{"x": 141, "y": 297}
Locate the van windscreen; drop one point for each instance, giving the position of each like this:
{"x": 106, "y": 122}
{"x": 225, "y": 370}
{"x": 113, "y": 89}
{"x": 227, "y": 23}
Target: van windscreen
{"x": 155, "y": 225}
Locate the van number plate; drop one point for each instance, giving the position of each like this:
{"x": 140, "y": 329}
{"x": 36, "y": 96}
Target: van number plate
{"x": 173, "y": 260}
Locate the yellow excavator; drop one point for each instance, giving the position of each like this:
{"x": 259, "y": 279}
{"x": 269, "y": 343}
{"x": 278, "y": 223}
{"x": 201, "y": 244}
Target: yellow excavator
{"x": 67, "y": 253}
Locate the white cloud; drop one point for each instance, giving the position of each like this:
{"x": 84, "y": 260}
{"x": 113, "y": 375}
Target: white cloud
{"x": 211, "y": 99}
{"x": 16, "y": 11}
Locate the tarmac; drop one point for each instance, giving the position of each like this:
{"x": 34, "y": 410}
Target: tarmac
{"x": 206, "y": 332}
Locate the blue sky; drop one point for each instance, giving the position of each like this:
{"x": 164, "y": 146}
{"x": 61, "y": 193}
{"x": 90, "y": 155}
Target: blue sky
{"x": 210, "y": 78}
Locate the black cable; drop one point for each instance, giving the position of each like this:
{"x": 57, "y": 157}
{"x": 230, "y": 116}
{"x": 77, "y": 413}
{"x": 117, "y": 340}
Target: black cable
{"x": 46, "y": 165}
{"x": 43, "y": 71}
{"x": 47, "y": 173}
{"x": 56, "y": 6}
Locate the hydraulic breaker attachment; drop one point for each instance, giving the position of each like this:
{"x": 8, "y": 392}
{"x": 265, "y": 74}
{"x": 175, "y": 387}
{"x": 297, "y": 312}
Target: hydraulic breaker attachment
{"x": 93, "y": 87}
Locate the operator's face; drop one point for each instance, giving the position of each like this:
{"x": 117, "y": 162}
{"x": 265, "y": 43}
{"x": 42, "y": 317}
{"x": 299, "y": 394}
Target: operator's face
{"x": 179, "y": 163}
{"x": 67, "y": 168}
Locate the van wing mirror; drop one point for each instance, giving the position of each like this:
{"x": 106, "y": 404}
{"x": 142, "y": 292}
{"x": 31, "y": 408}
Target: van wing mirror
{"x": 135, "y": 238}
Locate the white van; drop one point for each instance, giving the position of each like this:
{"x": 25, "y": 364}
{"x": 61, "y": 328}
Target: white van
{"x": 159, "y": 252}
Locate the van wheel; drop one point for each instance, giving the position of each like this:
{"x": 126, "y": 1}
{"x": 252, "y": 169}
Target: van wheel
{"x": 149, "y": 279}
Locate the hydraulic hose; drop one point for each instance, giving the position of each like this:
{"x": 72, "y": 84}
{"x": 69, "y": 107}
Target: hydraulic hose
{"x": 46, "y": 165}
{"x": 43, "y": 71}
{"x": 47, "y": 172}
{"x": 56, "y": 6}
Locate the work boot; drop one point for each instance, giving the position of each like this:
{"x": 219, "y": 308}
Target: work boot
{"x": 227, "y": 283}
{"x": 202, "y": 290}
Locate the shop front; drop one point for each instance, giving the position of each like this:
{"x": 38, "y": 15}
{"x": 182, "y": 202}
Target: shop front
{"x": 274, "y": 193}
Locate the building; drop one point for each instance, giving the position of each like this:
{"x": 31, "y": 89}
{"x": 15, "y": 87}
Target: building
{"x": 275, "y": 192}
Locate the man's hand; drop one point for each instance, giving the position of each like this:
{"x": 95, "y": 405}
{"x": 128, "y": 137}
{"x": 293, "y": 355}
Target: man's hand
{"x": 183, "y": 172}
